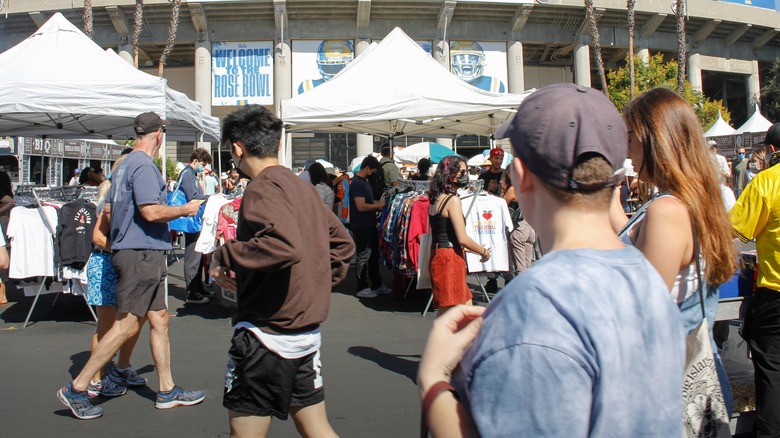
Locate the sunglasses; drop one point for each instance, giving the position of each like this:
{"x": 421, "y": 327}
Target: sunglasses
{"x": 461, "y": 172}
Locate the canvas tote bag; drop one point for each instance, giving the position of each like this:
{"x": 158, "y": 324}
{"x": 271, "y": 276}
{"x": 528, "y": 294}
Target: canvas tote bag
{"x": 423, "y": 260}
{"x": 704, "y": 410}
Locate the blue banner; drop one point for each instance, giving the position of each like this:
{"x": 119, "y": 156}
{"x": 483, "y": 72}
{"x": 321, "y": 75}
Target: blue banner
{"x": 242, "y": 73}
{"x": 767, "y": 4}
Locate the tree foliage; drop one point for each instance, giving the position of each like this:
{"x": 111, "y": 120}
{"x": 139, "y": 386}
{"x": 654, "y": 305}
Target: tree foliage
{"x": 770, "y": 94}
{"x": 170, "y": 166}
{"x": 660, "y": 73}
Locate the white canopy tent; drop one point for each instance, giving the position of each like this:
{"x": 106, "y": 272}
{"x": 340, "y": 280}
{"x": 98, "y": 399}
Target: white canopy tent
{"x": 59, "y": 83}
{"x": 756, "y": 123}
{"x": 720, "y": 127}
{"x": 421, "y": 97}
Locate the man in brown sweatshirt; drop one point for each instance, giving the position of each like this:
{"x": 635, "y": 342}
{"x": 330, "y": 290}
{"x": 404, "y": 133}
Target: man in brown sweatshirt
{"x": 288, "y": 244}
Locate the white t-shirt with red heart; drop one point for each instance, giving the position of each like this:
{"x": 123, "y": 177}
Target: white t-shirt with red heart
{"x": 488, "y": 223}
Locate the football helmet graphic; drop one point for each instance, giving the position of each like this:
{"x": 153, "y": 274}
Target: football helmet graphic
{"x": 467, "y": 60}
{"x": 333, "y": 56}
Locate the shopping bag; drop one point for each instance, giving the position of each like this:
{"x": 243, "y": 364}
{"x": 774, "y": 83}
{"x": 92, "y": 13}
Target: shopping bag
{"x": 186, "y": 224}
{"x": 423, "y": 270}
{"x": 704, "y": 410}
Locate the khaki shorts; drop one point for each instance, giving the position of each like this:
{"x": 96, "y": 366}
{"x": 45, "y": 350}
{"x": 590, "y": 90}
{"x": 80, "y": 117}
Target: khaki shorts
{"x": 140, "y": 280}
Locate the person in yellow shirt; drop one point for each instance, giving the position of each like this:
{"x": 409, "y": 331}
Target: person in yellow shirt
{"x": 756, "y": 215}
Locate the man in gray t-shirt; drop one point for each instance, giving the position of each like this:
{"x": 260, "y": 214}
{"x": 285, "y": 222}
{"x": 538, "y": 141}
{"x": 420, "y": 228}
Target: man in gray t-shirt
{"x": 136, "y": 208}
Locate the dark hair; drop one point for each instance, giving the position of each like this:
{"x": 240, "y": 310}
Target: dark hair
{"x": 256, "y": 128}
{"x": 91, "y": 178}
{"x": 444, "y": 179}
{"x": 317, "y": 174}
{"x": 98, "y": 170}
{"x": 84, "y": 175}
{"x": 370, "y": 161}
{"x": 201, "y": 155}
{"x": 6, "y": 188}
{"x": 423, "y": 166}
{"x": 126, "y": 151}
{"x": 386, "y": 150}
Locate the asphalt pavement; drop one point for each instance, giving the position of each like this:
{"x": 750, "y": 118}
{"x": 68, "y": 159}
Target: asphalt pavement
{"x": 371, "y": 349}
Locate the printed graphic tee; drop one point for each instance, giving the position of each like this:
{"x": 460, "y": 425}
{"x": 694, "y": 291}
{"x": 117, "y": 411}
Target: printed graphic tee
{"x": 488, "y": 223}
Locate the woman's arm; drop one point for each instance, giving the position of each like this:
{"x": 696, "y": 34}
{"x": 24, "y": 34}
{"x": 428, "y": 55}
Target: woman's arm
{"x": 102, "y": 230}
{"x": 454, "y": 212}
{"x": 6, "y": 204}
{"x": 665, "y": 237}
{"x": 617, "y": 216}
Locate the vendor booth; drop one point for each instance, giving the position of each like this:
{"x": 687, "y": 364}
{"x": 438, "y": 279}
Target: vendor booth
{"x": 420, "y": 98}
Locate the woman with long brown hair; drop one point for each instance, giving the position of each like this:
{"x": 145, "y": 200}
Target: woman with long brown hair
{"x": 448, "y": 236}
{"x": 667, "y": 148}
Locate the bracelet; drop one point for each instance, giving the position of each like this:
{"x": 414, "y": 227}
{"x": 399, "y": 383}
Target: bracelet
{"x": 430, "y": 396}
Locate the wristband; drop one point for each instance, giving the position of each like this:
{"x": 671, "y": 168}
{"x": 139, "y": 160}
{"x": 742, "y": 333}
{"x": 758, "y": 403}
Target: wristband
{"x": 430, "y": 396}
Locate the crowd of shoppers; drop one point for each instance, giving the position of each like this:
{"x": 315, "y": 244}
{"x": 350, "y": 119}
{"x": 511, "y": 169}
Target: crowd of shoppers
{"x": 494, "y": 371}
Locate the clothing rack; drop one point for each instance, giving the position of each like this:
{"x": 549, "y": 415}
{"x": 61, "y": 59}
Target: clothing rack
{"x": 54, "y": 194}
{"x": 475, "y": 186}
{"x": 417, "y": 186}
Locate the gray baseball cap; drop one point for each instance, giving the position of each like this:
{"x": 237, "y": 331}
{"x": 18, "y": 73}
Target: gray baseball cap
{"x": 557, "y": 124}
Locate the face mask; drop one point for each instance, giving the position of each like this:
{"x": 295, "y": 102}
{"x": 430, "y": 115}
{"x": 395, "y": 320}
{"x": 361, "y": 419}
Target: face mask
{"x": 200, "y": 168}
{"x": 241, "y": 173}
{"x": 741, "y": 156}
{"x": 463, "y": 180}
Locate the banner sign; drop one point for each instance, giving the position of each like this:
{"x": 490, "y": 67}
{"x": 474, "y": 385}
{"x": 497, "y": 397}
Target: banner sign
{"x": 767, "y": 4}
{"x": 7, "y": 146}
{"x": 242, "y": 73}
{"x": 72, "y": 149}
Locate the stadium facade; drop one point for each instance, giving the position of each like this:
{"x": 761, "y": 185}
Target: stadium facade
{"x": 291, "y": 46}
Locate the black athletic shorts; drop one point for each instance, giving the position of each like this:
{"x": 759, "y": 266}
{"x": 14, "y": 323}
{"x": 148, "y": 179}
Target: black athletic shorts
{"x": 140, "y": 280}
{"x": 260, "y": 382}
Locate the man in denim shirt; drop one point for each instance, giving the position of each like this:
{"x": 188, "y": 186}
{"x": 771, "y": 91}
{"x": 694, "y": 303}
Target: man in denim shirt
{"x": 586, "y": 342}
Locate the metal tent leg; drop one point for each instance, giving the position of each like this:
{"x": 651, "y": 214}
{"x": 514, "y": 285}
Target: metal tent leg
{"x": 37, "y": 295}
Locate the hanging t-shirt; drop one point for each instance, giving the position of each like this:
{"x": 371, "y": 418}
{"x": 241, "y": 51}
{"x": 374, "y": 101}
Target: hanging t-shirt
{"x": 208, "y": 234}
{"x": 32, "y": 242}
{"x": 487, "y": 223}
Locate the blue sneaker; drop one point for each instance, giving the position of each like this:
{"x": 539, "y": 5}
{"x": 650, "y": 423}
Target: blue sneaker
{"x": 178, "y": 397}
{"x": 127, "y": 378}
{"x": 78, "y": 403}
{"x": 106, "y": 388}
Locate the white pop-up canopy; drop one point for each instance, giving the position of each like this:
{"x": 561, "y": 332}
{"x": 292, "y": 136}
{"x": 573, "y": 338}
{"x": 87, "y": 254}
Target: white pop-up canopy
{"x": 419, "y": 97}
{"x": 59, "y": 83}
{"x": 756, "y": 123}
{"x": 720, "y": 127}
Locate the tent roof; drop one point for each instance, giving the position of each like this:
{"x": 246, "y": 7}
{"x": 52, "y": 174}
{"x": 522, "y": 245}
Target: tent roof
{"x": 756, "y": 123}
{"x": 720, "y": 127}
{"x": 59, "y": 83}
{"x": 420, "y": 97}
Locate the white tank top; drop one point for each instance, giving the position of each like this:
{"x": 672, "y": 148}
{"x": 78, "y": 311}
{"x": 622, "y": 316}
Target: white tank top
{"x": 687, "y": 282}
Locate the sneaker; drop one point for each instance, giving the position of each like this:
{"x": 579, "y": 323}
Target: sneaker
{"x": 178, "y": 397}
{"x": 382, "y": 290}
{"x": 127, "y": 378}
{"x": 78, "y": 403}
{"x": 366, "y": 293}
{"x": 106, "y": 388}
{"x": 196, "y": 298}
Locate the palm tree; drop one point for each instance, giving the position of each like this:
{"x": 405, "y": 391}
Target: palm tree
{"x": 630, "y": 5}
{"x": 88, "y": 18}
{"x": 138, "y": 18}
{"x": 171, "y": 36}
{"x": 596, "y": 42}
{"x": 681, "y": 55}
